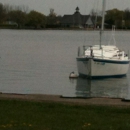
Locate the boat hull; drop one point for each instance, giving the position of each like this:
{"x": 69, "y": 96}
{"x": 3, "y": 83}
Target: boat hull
{"x": 101, "y": 68}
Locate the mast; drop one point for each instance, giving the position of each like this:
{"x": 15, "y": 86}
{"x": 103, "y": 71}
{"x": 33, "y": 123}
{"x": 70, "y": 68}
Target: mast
{"x": 103, "y": 19}
{"x": 96, "y": 14}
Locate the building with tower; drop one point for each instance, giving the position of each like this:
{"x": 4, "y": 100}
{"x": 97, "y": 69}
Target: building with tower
{"x": 77, "y": 20}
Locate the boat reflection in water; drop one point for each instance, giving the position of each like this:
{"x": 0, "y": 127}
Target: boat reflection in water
{"x": 112, "y": 88}
{"x": 83, "y": 88}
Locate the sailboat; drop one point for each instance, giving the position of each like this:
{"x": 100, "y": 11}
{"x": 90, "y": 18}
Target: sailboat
{"x": 100, "y": 61}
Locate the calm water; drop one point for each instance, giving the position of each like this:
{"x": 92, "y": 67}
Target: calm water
{"x": 39, "y": 62}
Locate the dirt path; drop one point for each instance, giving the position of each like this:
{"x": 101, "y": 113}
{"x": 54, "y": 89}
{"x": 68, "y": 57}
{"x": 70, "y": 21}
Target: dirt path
{"x": 57, "y": 98}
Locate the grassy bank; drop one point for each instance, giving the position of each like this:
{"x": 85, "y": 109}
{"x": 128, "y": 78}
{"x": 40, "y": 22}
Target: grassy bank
{"x": 25, "y": 115}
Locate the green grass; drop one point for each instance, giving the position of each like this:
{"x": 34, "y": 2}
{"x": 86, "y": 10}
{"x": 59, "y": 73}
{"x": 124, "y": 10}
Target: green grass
{"x": 25, "y": 115}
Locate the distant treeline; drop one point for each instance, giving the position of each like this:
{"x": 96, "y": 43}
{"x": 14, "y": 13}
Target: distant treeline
{"x": 20, "y": 17}
{"x": 119, "y": 18}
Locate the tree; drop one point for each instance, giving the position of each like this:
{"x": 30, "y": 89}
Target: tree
{"x": 114, "y": 17}
{"x": 52, "y": 19}
{"x": 18, "y": 17}
{"x": 127, "y": 14}
{"x": 96, "y": 17}
{"x": 36, "y": 20}
{"x": 127, "y": 17}
{"x": 2, "y": 13}
{"x": 93, "y": 12}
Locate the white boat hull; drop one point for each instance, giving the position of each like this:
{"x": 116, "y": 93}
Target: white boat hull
{"x": 92, "y": 67}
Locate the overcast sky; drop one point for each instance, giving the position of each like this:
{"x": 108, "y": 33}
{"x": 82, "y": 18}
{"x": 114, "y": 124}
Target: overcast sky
{"x": 62, "y": 7}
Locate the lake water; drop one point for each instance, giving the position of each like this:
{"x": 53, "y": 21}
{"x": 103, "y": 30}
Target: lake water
{"x": 39, "y": 62}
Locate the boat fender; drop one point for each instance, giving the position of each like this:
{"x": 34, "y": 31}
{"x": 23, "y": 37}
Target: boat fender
{"x": 73, "y": 75}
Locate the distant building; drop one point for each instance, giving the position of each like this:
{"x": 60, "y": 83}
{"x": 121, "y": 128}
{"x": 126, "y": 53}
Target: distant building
{"x": 77, "y": 20}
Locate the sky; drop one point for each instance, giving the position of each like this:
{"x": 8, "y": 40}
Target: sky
{"x": 62, "y": 7}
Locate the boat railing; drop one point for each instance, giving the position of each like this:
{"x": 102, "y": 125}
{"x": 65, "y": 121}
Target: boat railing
{"x": 128, "y": 54}
{"x": 118, "y": 55}
{"x": 81, "y": 51}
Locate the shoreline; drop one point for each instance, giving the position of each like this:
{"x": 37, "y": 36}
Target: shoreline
{"x": 59, "y": 99}
{"x": 63, "y": 29}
